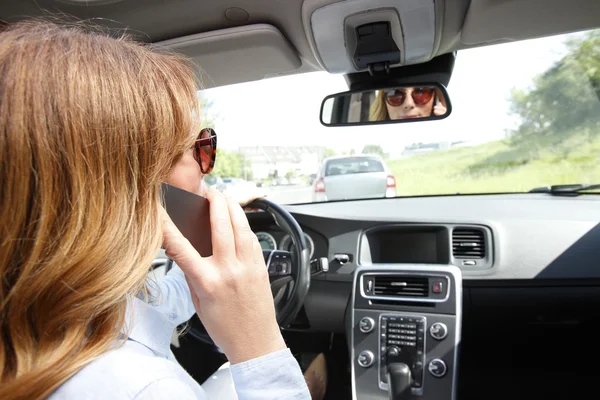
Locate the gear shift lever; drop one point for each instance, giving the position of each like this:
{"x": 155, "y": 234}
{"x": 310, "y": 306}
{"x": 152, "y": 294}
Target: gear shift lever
{"x": 399, "y": 379}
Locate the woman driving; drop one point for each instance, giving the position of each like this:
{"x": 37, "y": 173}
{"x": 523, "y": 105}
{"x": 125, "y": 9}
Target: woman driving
{"x": 90, "y": 126}
{"x": 411, "y": 102}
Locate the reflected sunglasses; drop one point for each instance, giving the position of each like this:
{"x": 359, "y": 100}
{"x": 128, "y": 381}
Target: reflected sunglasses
{"x": 420, "y": 96}
{"x": 205, "y": 150}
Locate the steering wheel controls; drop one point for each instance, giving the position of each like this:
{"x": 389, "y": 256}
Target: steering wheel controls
{"x": 279, "y": 263}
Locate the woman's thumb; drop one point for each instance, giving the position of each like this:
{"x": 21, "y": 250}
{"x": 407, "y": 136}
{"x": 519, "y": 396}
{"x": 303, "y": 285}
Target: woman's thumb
{"x": 173, "y": 239}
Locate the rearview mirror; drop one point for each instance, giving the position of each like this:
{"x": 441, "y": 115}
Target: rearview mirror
{"x": 386, "y": 105}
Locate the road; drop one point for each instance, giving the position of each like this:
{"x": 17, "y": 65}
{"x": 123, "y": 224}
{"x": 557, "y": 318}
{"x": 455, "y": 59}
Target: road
{"x": 290, "y": 194}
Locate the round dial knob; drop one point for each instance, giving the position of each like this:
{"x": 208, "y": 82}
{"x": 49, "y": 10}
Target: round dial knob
{"x": 366, "y": 325}
{"x": 393, "y": 351}
{"x": 437, "y": 368}
{"x": 365, "y": 358}
{"x": 438, "y": 331}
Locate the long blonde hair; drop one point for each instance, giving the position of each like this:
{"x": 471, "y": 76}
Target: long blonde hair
{"x": 89, "y": 127}
{"x": 378, "y": 111}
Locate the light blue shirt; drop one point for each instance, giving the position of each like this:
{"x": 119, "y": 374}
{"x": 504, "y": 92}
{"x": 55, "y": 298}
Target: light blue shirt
{"x": 144, "y": 368}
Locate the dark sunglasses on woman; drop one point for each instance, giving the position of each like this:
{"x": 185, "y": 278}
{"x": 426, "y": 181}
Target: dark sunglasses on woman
{"x": 420, "y": 96}
{"x": 205, "y": 150}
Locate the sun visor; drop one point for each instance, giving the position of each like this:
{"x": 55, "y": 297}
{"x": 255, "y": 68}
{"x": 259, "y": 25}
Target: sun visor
{"x": 355, "y": 36}
{"x": 492, "y": 21}
{"x": 236, "y": 55}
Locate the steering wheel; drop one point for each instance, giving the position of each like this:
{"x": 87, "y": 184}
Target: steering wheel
{"x": 287, "y": 270}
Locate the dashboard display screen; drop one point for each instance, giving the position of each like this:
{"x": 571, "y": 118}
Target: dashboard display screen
{"x": 419, "y": 246}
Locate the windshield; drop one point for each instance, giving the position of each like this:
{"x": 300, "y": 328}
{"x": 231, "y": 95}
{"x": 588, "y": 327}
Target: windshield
{"x": 525, "y": 115}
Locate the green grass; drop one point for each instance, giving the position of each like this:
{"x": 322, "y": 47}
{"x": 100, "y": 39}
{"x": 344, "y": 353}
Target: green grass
{"x": 500, "y": 167}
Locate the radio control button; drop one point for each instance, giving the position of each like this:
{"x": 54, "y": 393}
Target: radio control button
{"x": 366, "y": 325}
{"x": 438, "y": 331}
{"x": 365, "y": 358}
{"x": 437, "y": 368}
{"x": 393, "y": 351}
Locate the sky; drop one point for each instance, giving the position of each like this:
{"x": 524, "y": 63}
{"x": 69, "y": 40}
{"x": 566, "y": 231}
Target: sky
{"x": 285, "y": 110}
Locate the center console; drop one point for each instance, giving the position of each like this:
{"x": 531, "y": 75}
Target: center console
{"x": 404, "y": 334}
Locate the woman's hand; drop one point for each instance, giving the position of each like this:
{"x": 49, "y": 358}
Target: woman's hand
{"x": 246, "y": 196}
{"x": 439, "y": 110}
{"x": 230, "y": 289}
{"x": 243, "y": 196}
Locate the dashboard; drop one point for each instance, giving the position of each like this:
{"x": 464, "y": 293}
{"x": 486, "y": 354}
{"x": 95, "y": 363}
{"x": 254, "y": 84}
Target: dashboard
{"x": 530, "y": 279}
{"x": 527, "y": 236}
{"x": 529, "y": 243}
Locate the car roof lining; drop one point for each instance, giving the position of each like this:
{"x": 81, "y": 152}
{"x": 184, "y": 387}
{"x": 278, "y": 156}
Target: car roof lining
{"x": 460, "y": 24}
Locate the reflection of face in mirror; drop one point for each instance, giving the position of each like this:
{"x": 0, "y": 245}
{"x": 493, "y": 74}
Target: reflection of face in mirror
{"x": 409, "y": 102}
{"x": 392, "y": 104}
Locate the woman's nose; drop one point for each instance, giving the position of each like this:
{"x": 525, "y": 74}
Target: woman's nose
{"x": 408, "y": 102}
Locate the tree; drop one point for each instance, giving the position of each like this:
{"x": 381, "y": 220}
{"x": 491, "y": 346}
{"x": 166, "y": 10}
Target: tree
{"x": 586, "y": 52}
{"x": 232, "y": 164}
{"x": 208, "y": 113}
{"x": 324, "y": 153}
{"x": 562, "y": 98}
{"x": 329, "y": 152}
{"x": 373, "y": 149}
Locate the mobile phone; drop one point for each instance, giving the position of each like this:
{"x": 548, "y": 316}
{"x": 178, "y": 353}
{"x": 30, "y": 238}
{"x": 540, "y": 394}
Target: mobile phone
{"x": 190, "y": 214}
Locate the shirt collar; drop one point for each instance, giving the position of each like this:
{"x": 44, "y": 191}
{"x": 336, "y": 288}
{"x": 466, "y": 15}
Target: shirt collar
{"x": 149, "y": 327}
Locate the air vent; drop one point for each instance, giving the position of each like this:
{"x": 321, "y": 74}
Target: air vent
{"x": 401, "y": 286}
{"x": 468, "y": 243}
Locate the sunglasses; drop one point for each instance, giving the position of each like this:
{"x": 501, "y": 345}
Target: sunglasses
{"x": 205, "y": 150}
{"x": 420, "y": 96}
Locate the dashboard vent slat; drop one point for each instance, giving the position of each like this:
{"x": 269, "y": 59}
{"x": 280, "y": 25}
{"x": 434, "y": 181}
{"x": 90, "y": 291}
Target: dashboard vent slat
{"x": 468, "y": 243}
{"x": 401, "y": 286}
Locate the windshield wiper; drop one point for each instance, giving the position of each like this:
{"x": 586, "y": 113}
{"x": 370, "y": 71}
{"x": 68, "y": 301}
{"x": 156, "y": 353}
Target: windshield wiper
{"x": 574, "y": 189}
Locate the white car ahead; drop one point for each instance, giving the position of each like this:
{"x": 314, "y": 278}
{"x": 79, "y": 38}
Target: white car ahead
{"x": 353, "y": 177}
